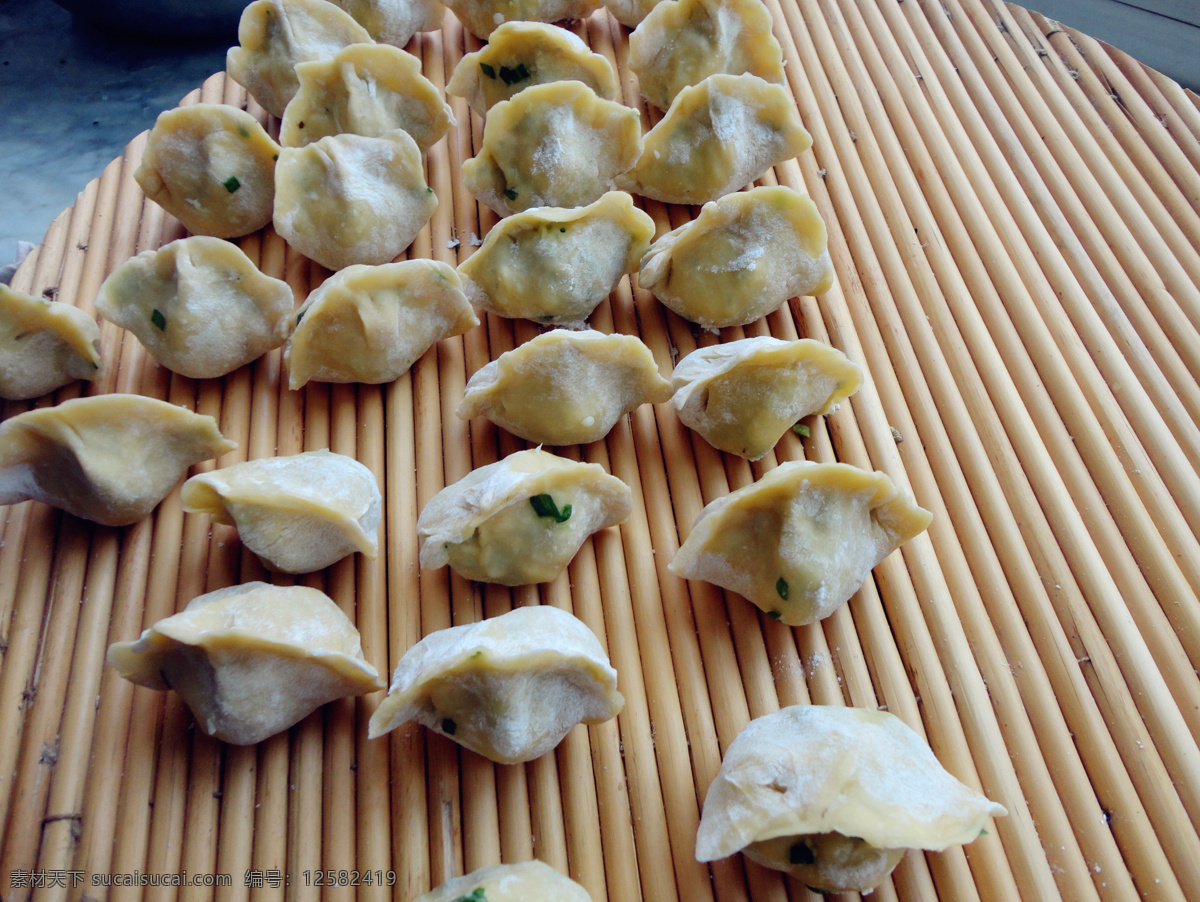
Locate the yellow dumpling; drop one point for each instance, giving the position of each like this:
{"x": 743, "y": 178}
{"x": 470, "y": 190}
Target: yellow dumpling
{"x": 44, "y": 345}
{"x": 482, "y": 17}
{"x": 529, "y": 881}
{"x": 395, "y": 21}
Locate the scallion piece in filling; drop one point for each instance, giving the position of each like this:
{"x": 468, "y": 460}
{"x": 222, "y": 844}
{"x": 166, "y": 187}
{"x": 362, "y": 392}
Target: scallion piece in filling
{"x": 781, "y": 588}
{"x": 231, "y": 184}
{"x": 544, "y": 506}
{"x": 156, "y": 317}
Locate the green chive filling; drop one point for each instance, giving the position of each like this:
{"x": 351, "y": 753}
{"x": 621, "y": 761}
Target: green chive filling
{"x": 158, "y": 319}
{"x": 544, "y": 506}
{"x": 231, "y": 184}
{"x": 781, "y": 588}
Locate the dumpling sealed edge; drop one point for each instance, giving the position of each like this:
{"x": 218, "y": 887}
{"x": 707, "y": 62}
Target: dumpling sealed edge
{"x": 509, "y": 688}
{"x": 44, "y": 345}
{"x": 528, "y": 881}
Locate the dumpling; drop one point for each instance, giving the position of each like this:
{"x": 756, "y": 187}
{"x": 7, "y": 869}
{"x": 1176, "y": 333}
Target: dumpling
{"x": 521, "y": 54}
{"x": 351, "y": 199}
{"x": 553, "y": 145}
{"x": 482, "y": 17}
{"x": 199, "y": 305}
{"x": 529, "y": 881}
{"x": 299, "y": 513}
{"x": 520, "y": 520}
{"x": 395, "y": 21}
{"x": 564, "y": 387}
{"x": 366, "y": 89}
{"x": 275, "y": 35}
{"x": 510, "y": 687}
{"x": 741, "y": 258}
{"x": 718, "y": 136}
{"x": 251, "y": 660}
{"x": 803, "y": 539}
{"x": 554, "y": 265}
{"x": 109, "y": 458}
{"x": 44, "y": 345}
{"x": 743, "y": 396}
{"x": 682, "y": 42}
{"x": 630, "y": 13}
{"x": 212, "y": 167}
{"x": 371, "y": 323}
{"x": 833, "y": 796}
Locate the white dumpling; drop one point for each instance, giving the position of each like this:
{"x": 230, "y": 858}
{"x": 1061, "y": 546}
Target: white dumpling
{"x": 349, "y": 199}
{"x": 529, "y": 881}
{"x": 833, "y": 796}
{"x": 718, "y": 136}
{"x": 520, "y": 520}
{"x": 298, "y": 513}
{"x": 742, "y": 396}
{"x": 109, "y": 458}
{"x": 251, "y": 660}
{"x": 554, "y": 265}
{"x": 509, "y": 688}
{"x": 371, "y": 323}
{"x": 630, "y": 13}
{"x": 522, "y": 54}
{"x": 682, "y": 42}
{"x": 565, "y": 387}
{"x": 802, "y": 539}
{"x": 395, "y": 21}
{"x": 482, "y": 17}
{"x": 275, "y": 35}
{"x": 366, "y": 89}
{"x": 552, "y": 145}
{"x": 199, "y": 305}
{"x": 741, "y": 258}
{"x": 44, "y": 345}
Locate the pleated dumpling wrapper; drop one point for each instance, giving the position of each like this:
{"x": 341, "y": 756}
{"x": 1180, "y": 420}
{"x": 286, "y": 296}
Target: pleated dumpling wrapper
{"x": 510, "y": 687}
{"x": 552, "y": 145}
{"x": 44, "y": 345}
{"x": 349, "y": 199}
{"x": 212, "y": 167}
{"x": 520, "y": 520}
{"x": 298, "y": 513}
{"x": 565, "y": 387}
{"x": 371, "y": 323}
{"x": 716, "y": 137}
{"x": 482, "y": 17}
{"x": 395, "y": 21}
{"x": 275, "y": 35}
{"x": 109, "y": 458}
{"x": 251, "y": 660}
{"x": 630, "y": 13}
{"x": 554, "y": 265}
{"x": 199, "y": 305}
{"x": 522, "y": 54}
{"x": 741, "y": 258}
{"x": 682, "y": 42}
{"x": 802, "y": 539}
{"x": 366, "y": 89}
{"x": 742, "y": 396}
{"x": 529, "y": 881}
{"x": 833, "y": 796}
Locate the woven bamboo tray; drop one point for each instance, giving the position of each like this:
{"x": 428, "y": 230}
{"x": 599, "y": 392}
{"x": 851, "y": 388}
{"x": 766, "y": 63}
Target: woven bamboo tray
{"x": 1014, "y": 216}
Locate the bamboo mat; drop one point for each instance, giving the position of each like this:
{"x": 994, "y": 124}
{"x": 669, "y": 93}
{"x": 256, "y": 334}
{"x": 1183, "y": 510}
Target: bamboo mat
{"x": 1014, "y": 217}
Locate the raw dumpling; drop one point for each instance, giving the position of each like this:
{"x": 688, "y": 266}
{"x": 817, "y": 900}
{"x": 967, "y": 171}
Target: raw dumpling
{"x": 350, "y": 199}
{"x": 742, "y": 396}
{"x": 509, "y": 688}
{"x": 520, "y": 520}
{"x": 800, "y": 541}
{"x": 44, "y": 345}
{"x": 275, "y": 35}
{"x": 299, "y": 513}
{"x": 833, "y": 796}
{"x": 564, "y": 387}
{"x": 630, "y": 13}
{"x": 553, "y": 145}
{"x": 108, "y": 458}
{"x": 366, "y": 89}
{"x": 251, "y": 660}
{"x": 395, "y": 21}
{"x": 718, "y": 136}
{"x": 200, "y": 307}
{"x": 371, "y": 323}
{"x": 554, "y": 265}
{"x": 529, "y": 881}
{"x": 212, "y": 167}
{"x": 682, "y": 42}
{"x": 521, "y": 54}
{"x": 482, "y": 17}
{"x": 741, "y": 258}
